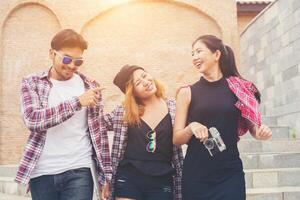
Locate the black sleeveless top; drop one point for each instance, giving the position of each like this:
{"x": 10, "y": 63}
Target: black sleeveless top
{"x": 213, "y": 105}
{"x": 136, "y": 154}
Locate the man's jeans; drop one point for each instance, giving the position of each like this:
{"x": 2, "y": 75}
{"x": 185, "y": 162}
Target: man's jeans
{"x": 76, "y": 184}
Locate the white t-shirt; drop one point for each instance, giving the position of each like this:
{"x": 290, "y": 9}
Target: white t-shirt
{"x": 68, "y": 145}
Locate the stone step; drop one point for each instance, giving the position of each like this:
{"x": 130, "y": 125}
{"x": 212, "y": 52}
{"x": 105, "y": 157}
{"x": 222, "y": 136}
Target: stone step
{"x": 281, "y": 177}
{"x": 278, "y": 132}
{"x": 8, "y": 186}
{"x": 279, "y": 192}
{"x": 269, "y": 121}
{"x": 276, "y": 193}
{"x": 12, "y": 197}
{"x": 255, "y": 178}
{"x": 8, "y": 170}
{"x": 280, "y": 145}
{"x": 271, "y": 160}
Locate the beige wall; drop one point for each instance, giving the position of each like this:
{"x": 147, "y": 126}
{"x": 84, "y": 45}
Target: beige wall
{"x": 244, "y": 19}
{"x": 154, "y": 34}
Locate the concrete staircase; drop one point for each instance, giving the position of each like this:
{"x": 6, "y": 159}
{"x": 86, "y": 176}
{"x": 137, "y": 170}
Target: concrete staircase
{"x": 12, "y": 197}
{"x": 272, "y": 168}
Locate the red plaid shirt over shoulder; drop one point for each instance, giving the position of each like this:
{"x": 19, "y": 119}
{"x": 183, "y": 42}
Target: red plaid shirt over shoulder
{"x": 244, "y": 90}
{"x": 115, "y": 123}
{"x": 38, "y": 117}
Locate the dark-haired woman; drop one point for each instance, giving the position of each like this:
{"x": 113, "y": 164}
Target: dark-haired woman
{"x": 210, "y": 116}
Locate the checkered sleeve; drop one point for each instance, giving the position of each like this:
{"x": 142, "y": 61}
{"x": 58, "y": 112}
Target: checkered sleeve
{"x": 177, "y": 162}
{"x": 109, "y": 120}
{"x": 104, "y": 149}
{"x": 177, "y": 158}
{"x": 118, "y": 145}
{"x": 113, "y": 121}
{"x": 39, "y": 119}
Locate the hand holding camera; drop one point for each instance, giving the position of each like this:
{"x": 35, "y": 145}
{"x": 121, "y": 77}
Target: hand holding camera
{"x": 199, "y": 131}
{"x": 214, "y": 144}
{"x": 211, "y": 138}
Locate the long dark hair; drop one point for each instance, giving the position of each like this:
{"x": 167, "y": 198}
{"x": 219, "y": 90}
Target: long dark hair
{"x": 227, "y": 62}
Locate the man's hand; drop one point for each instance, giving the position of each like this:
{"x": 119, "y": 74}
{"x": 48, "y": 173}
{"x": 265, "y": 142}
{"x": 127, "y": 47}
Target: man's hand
{"x": 90, "y": 97}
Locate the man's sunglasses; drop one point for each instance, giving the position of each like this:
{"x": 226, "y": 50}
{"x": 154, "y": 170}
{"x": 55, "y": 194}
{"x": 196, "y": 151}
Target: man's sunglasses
{"x": 67, "y": 60}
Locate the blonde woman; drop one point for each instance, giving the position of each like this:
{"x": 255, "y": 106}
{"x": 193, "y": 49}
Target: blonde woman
{"x": 146, "y": 165}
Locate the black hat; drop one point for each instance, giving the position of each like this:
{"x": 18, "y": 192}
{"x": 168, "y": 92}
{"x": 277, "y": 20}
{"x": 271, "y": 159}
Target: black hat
{"x": 123, "y": 76}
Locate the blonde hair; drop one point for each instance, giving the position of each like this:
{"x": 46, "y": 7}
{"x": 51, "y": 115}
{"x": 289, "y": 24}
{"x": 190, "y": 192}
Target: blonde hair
{"x": 133, "y": 107}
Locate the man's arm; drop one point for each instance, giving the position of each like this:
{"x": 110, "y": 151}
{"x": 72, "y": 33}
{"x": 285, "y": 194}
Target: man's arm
{"x": 39, "y": 119}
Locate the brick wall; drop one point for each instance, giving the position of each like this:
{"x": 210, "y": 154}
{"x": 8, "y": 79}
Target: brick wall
{"x": 155, "y": 34}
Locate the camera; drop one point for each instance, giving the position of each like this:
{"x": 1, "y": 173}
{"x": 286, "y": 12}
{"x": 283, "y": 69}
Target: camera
{"x": 214, "y": 144}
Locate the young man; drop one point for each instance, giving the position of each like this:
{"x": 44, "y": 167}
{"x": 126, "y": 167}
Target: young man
{"x": 63, "y": 111}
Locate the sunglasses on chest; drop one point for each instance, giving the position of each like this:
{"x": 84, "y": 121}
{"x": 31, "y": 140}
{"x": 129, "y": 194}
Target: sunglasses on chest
{"x": 151, "y": 146}
{"x": 67, "y": 59}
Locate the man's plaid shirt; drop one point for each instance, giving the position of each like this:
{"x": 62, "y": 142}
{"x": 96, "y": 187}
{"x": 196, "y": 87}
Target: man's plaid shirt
{"x": 116, "y": 124}
{"x": 38, "y": 117}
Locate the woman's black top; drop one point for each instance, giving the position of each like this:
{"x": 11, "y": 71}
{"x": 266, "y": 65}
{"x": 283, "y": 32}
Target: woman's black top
{"x": 213, "y": 105}
{"x": 151, "y": 163}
